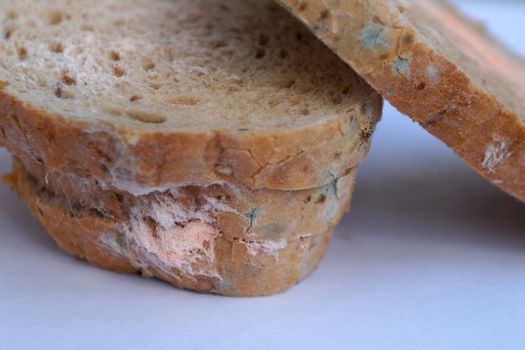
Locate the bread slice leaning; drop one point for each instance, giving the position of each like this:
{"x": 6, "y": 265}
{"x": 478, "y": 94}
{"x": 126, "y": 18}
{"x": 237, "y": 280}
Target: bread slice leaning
{"x": 212, "y": 144}
{"x": 438, "y": 67}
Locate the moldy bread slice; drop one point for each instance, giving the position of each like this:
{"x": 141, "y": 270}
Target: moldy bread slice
{"x": 439, "y": 68}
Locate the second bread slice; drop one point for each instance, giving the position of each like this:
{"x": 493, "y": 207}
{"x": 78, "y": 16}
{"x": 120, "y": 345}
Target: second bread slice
{"x": 218, "y": 238}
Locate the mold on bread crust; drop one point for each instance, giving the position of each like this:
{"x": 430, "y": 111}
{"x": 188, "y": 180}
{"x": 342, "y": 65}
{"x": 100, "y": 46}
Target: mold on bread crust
{"x": 496, "y": 153}
{"x": 154, "y": 93}
{"x": 438, "y": 67}
{"x": 212, "y": 144}
{"x": 193, "y": 237}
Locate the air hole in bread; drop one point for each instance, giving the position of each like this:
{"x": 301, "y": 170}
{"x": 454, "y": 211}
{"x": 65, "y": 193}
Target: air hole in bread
{"x": 86, "y": 27}
{"x": 118, "y": 72}
{"x": 337, "y": 100}
{"x": 294, "y": 101}
{"x": 260, "y": 53}
{"x": 263, "y": 39}
{"x": 421, "y": 87}
{"x": 289, "y": 83}
{"x": 148, "y": 66}
{"x": 146, "y": 117}
{"x": 283, "y": 53}
{"x": 217, "y": 44}
{"x": 168, "y": 52}
{"x": 273, "y": 102}
{"x": 183, "y": 100}
{"x": 135, "y": 98}
{"x": 7, "y": 33}
{"x": 66, "y": 79}
{"x": 224, "y": 7}
{"x": 54, "y": 17}
{"x": 114, "y": 56}
{"x": 12, "y": 14}
{"x": 155, "y": 86}
{"x": 324, "y": 15}
{"x": 56, "y": 47}
{"x": 233, "y": 88}
{"x": 119, "y": 23}
{"x": 22, "y": 53}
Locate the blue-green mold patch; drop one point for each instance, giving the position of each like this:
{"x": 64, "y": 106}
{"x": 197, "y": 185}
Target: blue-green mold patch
{"x": 401, "y": 66}
{"x": 330, "y": 189}
{"x": 252, "y": 215}
{"x": 373, "y": 36}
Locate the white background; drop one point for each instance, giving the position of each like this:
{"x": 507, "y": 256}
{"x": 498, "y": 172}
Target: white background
{"x": 431, "y": 257}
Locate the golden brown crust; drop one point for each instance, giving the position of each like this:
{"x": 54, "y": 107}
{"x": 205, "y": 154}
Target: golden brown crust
{"x": 288, "y": 160}
{"x": 257, "y": 251}
{"x": 423, "y": 83}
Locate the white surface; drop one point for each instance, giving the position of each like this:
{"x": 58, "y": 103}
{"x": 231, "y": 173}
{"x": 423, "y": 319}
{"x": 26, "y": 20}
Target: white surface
{"x": 431, "y": 257}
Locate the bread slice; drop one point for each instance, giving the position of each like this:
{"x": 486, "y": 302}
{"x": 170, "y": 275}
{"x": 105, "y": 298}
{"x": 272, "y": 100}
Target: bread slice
{"x": 439, "y": 68}
{"x": 210, "y": 143}
{"x": 216, "y": 238}
{"x": 152, "y": 93}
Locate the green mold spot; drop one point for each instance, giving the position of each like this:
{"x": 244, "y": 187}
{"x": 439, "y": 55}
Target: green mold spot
{"x": 225, "y": 286}
{"x": 252, "y": 215}
{"x": 121, "y": 241}
{"x": 373, "y": 36}
{"x": 330, "y": 189}
{"x": 320, "y": 27}
{"x": 401, "y": 66}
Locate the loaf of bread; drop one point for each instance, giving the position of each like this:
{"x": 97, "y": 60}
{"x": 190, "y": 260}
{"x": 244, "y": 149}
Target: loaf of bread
{"x": 438, "y": 67}
{"x": 209, "y": 143}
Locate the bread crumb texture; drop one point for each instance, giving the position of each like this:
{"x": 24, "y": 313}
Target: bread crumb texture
{"x": 146, "y": 94}
{"x": 184, "y": 64}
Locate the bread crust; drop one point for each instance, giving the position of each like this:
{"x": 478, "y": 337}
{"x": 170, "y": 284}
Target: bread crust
{"x": 255, "y": 242}
{"x": 297, "y": 159}
{"x": 395, "y": 59}
{"x": 242, "y": 205}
